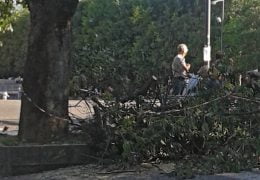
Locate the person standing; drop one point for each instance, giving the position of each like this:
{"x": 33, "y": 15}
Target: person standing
{"x": 180, "y": 69}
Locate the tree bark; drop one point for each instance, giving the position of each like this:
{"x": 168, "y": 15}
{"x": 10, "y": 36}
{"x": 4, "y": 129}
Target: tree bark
{"x": 46, "y": 72}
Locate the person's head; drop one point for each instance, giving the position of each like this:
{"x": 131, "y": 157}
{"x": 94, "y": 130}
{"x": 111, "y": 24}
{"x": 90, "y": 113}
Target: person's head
{"x": 182, "y": 49}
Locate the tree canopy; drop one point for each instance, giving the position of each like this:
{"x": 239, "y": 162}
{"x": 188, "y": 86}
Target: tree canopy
{"x": 242, "y": 34}
{"x": 137, "y": 38}
{"x": 8, "y": 8}
{"x": 14, "y": 46}
{"x": 127, "y": 41}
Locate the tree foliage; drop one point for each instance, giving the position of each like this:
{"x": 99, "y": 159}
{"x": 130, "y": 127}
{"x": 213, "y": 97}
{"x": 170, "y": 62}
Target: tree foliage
{"x": 242, "y": 33}
{"x": 128, "y": 41}
{"x": 14, "y": 46}
{"x": 125, "y": 42}
{"x": 6, "y": 8}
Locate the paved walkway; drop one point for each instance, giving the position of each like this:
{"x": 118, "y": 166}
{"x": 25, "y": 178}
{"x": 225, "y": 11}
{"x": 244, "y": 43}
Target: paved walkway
{"x": 92, "y": 172}
{"x": 9, "y": 116}
{"x": 10, "y": 113}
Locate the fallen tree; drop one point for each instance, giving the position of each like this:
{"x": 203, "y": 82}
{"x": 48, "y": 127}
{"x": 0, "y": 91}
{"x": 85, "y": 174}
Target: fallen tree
{"x": 222, "y": 125}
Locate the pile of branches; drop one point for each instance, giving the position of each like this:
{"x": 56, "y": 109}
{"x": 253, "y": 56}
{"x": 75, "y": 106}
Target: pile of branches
{"x": 224, "y": 125}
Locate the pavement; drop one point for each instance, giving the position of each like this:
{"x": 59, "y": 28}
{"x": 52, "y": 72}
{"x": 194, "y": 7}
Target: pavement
{"x": 10, "y": 114}
{"x": 94, "y": 172}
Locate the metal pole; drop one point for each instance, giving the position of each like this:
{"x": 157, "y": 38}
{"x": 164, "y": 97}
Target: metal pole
{"x": 208, "y": 22}
{"x": 207, "y": 48}
{"x": 222, "y": 24}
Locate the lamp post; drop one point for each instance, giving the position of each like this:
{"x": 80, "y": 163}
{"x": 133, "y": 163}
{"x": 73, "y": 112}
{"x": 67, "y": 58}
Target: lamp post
{"x": 207, "y": 47}
{"x": 221, "y": 21}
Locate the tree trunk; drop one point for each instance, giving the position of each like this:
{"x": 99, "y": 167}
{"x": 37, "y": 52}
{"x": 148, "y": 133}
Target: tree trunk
{"x": 46, "y": 71}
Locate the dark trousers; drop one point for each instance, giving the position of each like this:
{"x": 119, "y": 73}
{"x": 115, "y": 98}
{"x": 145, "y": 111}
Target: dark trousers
{"x": 178, "y": 85}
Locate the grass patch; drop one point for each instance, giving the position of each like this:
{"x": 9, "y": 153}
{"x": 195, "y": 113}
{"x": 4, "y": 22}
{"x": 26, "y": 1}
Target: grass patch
{"x": 9, "y": 140}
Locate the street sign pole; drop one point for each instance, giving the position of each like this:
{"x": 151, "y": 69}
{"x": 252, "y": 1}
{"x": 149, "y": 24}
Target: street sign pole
{"x": 207, "y": 47}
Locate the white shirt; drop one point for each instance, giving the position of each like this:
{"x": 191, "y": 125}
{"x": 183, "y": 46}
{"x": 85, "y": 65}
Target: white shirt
{"x": 178, "y": 65}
